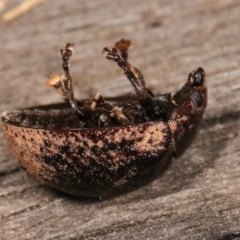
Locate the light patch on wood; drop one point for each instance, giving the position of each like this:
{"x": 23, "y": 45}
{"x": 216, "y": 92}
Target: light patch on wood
{"x": 3, "y": 4}
{"x": 21, "y": 9}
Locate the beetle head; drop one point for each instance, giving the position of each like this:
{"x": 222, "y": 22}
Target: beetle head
{"x": 195, "y": 83}
{"x": 196, "y": 78}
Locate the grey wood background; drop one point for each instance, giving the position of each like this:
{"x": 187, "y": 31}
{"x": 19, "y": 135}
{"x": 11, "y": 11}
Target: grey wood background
{"x": 199, "y": 196}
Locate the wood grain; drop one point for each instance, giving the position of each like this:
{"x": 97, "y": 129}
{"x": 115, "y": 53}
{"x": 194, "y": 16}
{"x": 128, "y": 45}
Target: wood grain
{"x": 199, "y": 196}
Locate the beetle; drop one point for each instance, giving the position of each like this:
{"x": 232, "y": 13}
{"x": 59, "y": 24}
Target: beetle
{"x": 101, "y": 147}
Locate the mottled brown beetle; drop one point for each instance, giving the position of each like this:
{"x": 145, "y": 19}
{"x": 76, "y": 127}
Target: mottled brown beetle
{"x": 104, "y": 147}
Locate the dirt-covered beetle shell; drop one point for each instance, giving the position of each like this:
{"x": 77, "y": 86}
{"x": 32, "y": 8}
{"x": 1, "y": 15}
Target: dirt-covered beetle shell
{"x": 103, "y": 147}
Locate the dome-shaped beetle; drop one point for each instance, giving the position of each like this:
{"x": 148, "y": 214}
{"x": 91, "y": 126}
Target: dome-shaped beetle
{"x": 103, "y": 147}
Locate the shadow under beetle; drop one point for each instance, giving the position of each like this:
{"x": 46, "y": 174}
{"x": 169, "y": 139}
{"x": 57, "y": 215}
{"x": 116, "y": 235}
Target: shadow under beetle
{"x": 102, "y": 147}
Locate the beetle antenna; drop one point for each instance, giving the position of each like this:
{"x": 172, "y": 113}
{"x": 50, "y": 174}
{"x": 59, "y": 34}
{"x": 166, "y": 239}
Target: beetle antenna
{"x": 66, "y": 53}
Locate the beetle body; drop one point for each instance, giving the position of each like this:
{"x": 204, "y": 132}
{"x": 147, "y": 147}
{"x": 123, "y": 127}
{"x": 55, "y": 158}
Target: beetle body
{"x": 105, "y": 147}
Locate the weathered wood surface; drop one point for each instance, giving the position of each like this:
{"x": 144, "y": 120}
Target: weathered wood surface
{"x": 199, "y": 196}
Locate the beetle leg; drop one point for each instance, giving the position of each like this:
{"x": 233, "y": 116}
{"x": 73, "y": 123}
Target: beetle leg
{"x": 142, "y": 92}
{"x": 66, "y": 81}
{"x": 99, "y": 101}
{"x": 119, "y": 115}
{"x": 115, "y": 112}
{"x": 57, "y": 82}
{"x": 123, "y": 46}
{"x": 103, "y": 120}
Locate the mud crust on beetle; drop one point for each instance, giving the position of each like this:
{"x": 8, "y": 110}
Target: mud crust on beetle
{"x": 102, "y": 147}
